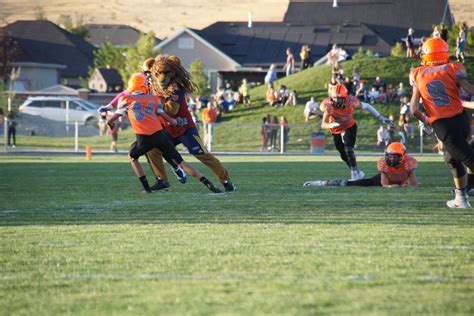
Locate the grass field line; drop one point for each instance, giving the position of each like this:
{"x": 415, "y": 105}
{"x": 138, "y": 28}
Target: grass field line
{"x": 247, "y": 277}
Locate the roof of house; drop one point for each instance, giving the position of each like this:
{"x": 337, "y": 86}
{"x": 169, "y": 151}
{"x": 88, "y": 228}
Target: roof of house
{"x": 46, "y": 43}
{"x": 117, "y": 34}
{"x": 111, "y": 76}
{"x": 389, "y": 18}
{"x": 266, "y": 42}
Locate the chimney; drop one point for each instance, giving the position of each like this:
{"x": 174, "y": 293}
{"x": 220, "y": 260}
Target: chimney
{"x": 250, "y": 20}
{"x": 334, "y": 4}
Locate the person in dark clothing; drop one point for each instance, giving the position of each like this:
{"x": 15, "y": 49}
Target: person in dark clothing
{"x": 11, "y": 128}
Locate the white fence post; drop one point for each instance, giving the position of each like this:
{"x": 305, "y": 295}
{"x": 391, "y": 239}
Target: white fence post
{"x": 76, "y": 137}
{"x": 209, "y": 136}
{"x": 421, "y": 139}
{"x": 282, "y": 138}
{"x": 5, "y": 128}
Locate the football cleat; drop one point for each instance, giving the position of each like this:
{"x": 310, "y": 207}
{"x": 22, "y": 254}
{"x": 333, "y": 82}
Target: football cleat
{"x": 361, "y": 174}
{"x": 229, "y": 186}
{"x": 180, "y": 175}
{"x": 214, "y": 189}
{"x": 357, "y": 174}
{"x": 145, "y": 191}
{"x": 459, "y": 203}
{"x": 161, "y": 185}
{"x": 318, "y": 183}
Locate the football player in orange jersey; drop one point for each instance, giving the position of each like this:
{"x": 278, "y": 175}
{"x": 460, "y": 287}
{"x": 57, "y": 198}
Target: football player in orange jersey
{"x": 396, "y": 169}
{"x": 143, "y": 111}
{"x": 437, "y": 82}
{"x": 338, "y": 118}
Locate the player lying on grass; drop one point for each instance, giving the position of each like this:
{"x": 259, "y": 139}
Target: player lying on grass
{"x": 143, "y": 111}
{"x": 338, "y": 118}
{"x": 437, "y": 83}
{"x": 396, "y": 169}
{"x": 161, "y": 177}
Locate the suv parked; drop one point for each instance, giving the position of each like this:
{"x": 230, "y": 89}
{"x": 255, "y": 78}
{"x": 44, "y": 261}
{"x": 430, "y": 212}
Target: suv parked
{"x": 64, "y": 109}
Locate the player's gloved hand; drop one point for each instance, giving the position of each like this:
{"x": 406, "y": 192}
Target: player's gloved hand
{"x": 427, "y": 128}
{"x": 384, "y": 120}
{"x": 103, "y": 108}
{"x": 333, "y": 125}
{"x": 181, "y": 121}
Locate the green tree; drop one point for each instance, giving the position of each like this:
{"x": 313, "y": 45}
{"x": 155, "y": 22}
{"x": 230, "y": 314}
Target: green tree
{"x": 40, "y": 15}
{"x": 397, "y": 50}
{"x": 199, "y": 77}
{"x": 370, "y": 53}
{"x": 136, "y": 55}
{"x": 108, "y": 55}
{"x": 360, "y": 54}
{"x": 76, "y": 27}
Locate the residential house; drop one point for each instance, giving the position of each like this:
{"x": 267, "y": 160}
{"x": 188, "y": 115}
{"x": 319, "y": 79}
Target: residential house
{"x": 120, "y": 36}
{"x": 49, "y": 55}
{"x": 105, "y": 80}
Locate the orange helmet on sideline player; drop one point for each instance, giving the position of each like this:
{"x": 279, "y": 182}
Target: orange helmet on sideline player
{"x": 338, "y": 95}
{"x": 434, "y": 51}
{"x": 395, "y": 154}
{"x": 137, "y": 82}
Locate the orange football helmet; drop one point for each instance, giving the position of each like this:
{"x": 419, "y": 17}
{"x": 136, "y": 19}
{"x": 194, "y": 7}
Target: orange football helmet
{"x": 395, "y": 154}
{"x": 137, "y": 82}
{"x": 338, "y": 95}
{"x": 434, "y": 51}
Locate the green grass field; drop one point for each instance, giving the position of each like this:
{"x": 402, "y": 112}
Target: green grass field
{"x": 78, "y": 238}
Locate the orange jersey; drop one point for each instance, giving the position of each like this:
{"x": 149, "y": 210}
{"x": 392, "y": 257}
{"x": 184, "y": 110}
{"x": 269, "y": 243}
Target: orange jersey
{"x": 142, "y": 112}
{"x": 345, "y": 117}
{"x": 397, "y": 175}
{"x": 438, "y": 86}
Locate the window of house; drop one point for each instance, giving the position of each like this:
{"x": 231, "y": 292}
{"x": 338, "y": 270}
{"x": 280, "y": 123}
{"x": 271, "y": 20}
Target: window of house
{"x": 186, "y": 43}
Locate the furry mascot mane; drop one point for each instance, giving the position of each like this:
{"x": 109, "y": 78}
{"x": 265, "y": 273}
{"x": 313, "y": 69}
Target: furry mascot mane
{"x": 180, "y": 79}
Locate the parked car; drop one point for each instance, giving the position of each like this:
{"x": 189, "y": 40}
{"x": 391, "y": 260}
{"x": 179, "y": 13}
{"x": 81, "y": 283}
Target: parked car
{"x": 64, "y": 109}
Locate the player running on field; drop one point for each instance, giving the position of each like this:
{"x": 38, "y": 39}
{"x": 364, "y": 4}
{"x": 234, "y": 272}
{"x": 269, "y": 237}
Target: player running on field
{"x": 338, "y": 117}
{"x": 143, "y": 111}
{"x": 437, "y": 82}
{"x": 161, "y": 176}
{"x": 396, "y": 169}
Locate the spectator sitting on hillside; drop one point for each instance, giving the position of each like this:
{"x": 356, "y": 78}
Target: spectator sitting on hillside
{"x": 391, "y": 93}
{"x": 292, "y": 98}
{"x": 336, "y": 54}
{"x": 401, "y": 92}
{"x": 271, "y": 96}
{"x": 362, "y": 91}
{"x": 382, "y": 96}
{"x": 373, "y": 94}
{"x": 311, "y": 110}
{"x": 284, "y": 94}
{"x": 271, "y": 75}
{"x": 379, "y": 83}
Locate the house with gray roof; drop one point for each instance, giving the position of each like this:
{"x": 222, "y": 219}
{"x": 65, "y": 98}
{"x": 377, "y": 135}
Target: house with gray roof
{"x": 49, "y": 55}
{"x": 119, "y": 35}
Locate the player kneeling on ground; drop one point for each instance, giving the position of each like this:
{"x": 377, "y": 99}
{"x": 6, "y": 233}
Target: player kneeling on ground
{"x": 143, "y": 111}
{"x": 396, "y": 169}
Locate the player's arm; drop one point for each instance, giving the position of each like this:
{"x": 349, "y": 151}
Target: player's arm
{"x": 468, "y": 104}
{"x": 384, "y": 180}
{"x": 415, "y": 106}
{"x": 121, "y": 109}
{"x": 366, "y": 106}
{"x": 469, "y": 88}
{"x": 325, "y": 122}
{"x": 412, "y": 179}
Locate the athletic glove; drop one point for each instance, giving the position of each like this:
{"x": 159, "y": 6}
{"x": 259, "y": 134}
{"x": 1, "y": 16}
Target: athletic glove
{"x": 384, "y": 120}
{"x": 333, "y": 125}
{"x": 181, "y": 121}
{"x": 426, "y": 128}
{"x": 103, "y": 108}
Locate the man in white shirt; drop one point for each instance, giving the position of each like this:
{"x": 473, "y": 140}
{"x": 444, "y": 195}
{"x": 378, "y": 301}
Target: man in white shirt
{"x": 311, "y": 110}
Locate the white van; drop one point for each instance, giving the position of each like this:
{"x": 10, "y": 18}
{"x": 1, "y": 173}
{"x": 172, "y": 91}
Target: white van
{"x": 65, "y": 109}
